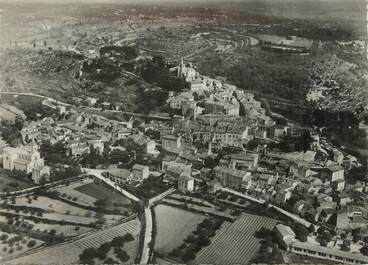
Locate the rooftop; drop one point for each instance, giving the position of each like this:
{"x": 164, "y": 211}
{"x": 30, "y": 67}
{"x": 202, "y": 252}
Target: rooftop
{"x": 330, "y": 251}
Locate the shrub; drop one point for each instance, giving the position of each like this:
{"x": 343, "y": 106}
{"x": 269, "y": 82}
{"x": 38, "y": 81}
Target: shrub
{"x": 31, "y": 243}
{"x": 11, "y": 250}
{"x": 128, "y": 237}
{"x": 122, "y": 255}
{"x": 88, "y": 254}
{"x": 188, "y": 255}
{"x": 4, "y": 237}
{"x": 118, "y": 242}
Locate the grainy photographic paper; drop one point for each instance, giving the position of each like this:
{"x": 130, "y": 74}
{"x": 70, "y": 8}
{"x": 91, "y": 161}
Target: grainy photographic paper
{"x": 183, "y": 132}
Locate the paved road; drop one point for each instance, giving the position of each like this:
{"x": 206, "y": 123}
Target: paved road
{"x": 34, "y": 95}
{"x": 68, "y": 253}
{"x": 145, "y": 257}
{"x": 147, "y": 212}
{"x": 147, "y": 236}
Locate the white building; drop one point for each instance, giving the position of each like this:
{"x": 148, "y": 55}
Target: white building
{"x": 185, "y": 183}
{"x": 332, "y": 254}
{"x": 140, "y": 172}
{"x": 285, "y": 235}
{"x": 27, "y": 159}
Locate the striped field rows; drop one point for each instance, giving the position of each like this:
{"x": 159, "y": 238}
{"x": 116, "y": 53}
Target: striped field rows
{"x": 69, "y": 252}
{"x": 235, "y": 243}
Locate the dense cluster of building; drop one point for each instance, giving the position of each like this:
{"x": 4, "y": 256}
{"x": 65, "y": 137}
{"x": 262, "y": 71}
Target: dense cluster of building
{"x": 215, "y": 122}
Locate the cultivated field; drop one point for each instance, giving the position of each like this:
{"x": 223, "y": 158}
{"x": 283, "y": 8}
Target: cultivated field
{"x": 59, "y": 211}
{"x": 11, "y": 184}
{"x": 235, "y": 243}
{"x": 69, "y": 252}
{"x": 173, "y": 226}
{"x": 12, "y": 244}
{"x": 67, "y": 230}
{"x": 70, "y": 192}
{"x": 100, "y": 192}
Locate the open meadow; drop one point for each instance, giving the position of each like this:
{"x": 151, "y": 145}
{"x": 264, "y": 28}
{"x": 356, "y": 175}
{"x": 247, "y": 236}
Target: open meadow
{"x": 173, "y": 226}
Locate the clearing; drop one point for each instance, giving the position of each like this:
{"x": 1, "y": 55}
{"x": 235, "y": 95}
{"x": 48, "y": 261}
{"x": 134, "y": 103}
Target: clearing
{"x": 173, "y": 226}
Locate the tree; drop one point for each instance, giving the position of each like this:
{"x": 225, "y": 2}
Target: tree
{"x": 311, "y": 228}
{"x": 31, "y": 243}
{"x": 356, "y": 235}
{"x": 118, "y": 241}
{"x": 364, "y": 250}
{"x": 210, "y": 162}
{"x": 326, "y": 236}
{"x": 345, "y": 246}
{"x": 110, "y": 261}
{"x": 323, "y": 243}
{"x": 19, "y": 122}
{"x": 88, "y": 254}
{"x": 301, "y": 232}
{"x": 188, "y": 255}
{"x": 122, "y": 255}
{"x": 128, "y": 237}
{"x": 176, "y": 252}
{"x": 206, "y": 223}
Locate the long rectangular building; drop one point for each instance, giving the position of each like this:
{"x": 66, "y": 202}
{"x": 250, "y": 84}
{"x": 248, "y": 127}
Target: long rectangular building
{"x": 327, "y": 253}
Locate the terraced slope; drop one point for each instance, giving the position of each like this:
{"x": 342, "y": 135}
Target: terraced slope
{"x": 69, "y": 253}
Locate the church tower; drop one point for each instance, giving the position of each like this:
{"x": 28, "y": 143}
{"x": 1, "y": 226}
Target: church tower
{"x": 181, "y": 68}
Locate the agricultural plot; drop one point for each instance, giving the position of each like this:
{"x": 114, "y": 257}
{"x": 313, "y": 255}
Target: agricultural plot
{"x": 66, "y": 230}
{"x": 8, "y": 184}
{"x": 55, "y": 217}
{"x": 69, "y": 253}
{"x": 235, "y": 243}
{"x": 173, "y": 226}
{"x": 12, "y": 244}
{"x": 51, "y": 205}
{"x": 60, "y": 211}
{"x": 69, "y": 192}
{"x": 100, "y": 192}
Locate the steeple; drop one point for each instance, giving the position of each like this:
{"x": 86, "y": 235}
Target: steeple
{"x": 181, "y": 68}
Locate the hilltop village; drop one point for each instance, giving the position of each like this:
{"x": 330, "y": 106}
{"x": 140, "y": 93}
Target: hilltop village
{"x": 220, "y": 147}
